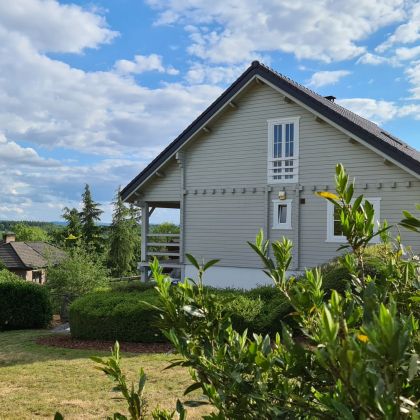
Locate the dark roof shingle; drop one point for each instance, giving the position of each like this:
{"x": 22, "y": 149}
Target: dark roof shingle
{"x": 27, "y": 255}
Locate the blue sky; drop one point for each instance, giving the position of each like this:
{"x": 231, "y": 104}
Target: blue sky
{"x": 90, "y": 91}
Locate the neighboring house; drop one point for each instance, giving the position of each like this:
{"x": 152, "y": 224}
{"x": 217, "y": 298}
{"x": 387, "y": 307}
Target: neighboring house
{"x": 253, "y": 160}
{"x": 28, "y": 259}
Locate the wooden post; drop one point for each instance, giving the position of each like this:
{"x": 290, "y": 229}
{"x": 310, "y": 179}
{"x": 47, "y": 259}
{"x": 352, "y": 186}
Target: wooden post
{"x": 144, "y": 239}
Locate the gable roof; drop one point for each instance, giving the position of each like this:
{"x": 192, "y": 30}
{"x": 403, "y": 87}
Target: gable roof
{"x": 366, "y": 130}
{"x": 28, "y": 255}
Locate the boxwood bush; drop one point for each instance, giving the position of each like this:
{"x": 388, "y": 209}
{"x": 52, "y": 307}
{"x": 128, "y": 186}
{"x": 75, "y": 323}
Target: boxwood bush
{"x": 116, "y": 315}
{"x": 336, "y": 276}
{"x": 23, "y": 305}
{"x": 119, "y": 313}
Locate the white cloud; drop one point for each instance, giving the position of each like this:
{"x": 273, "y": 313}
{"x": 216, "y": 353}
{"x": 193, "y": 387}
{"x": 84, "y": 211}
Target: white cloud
{"x": 379, "y": 111}
{"x": 51, "y": 105}
{"x": 322, "y": 30}
{"x": 54, "y": 27}
{"x": 376, "y": 110}
{"x": 404, "y": 53}
{"x": 142, "y": 64}
{"x": 406, "y": 33}
{"x": 199, "y": 73}
{"x": 372, "y": 59}
{"x": 324, "y": 78}
{"x": 413, "y": 75}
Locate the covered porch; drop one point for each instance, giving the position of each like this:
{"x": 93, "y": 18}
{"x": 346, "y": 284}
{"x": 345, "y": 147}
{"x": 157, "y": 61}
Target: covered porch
{"x": 167, "y": 247}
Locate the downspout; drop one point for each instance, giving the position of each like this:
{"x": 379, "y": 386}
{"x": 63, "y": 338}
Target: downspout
{"x": 180, "y": 159}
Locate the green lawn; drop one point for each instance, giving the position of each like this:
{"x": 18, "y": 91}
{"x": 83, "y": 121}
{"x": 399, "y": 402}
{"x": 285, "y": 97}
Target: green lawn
{"x": 36, "y": 381}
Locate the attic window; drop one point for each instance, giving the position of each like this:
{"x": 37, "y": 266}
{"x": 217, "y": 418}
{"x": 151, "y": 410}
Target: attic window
{"x": 283, "y": 143}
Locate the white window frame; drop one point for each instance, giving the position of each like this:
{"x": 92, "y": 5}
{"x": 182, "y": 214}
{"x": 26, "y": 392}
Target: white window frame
{"x": 375, "y": 201}
{"x": 288, "y": 224}
{"x": 271, "y": 159}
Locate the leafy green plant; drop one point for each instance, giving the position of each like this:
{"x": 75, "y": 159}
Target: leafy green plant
{"x": 410, "y": 221}
{"x": 6, "y": 275}
{"x": 352, "y": 357}
{"x": 136, "y": 403}
{"x": 75, "y": 276}
{"x": 357, "y": 217}
{"x": 132, "y": 394}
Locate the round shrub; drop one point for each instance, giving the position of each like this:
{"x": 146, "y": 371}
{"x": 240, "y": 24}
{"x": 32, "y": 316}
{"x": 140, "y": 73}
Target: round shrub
{"x": 337, "y": 277}
{"x": 116, "y": 315}
{"x": 23, "y": 305}
{"x": 260, "y": 310}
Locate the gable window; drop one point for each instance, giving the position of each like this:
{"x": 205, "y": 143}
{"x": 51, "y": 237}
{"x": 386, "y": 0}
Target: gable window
{"x": 334, "y": 230}
{"x": 282, "y": 214}
{"x": 283, "y": 150}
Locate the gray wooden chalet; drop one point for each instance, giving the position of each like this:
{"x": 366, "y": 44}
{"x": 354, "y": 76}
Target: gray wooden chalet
{"x": 253, "y": 160}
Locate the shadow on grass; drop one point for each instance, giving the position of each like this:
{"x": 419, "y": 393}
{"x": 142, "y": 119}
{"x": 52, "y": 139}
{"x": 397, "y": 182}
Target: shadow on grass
{"x": 20, "y": 347}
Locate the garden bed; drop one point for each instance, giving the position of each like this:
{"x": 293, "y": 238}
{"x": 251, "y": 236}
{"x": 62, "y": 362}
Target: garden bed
{"x": 66, "y": 341}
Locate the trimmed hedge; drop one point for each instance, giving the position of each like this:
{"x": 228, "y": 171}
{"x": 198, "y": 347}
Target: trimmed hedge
{"x": 23, "y": 305}
{"x": 116, "y": 315}
{"x": 258, "y": 310}
{"x": 120, "y": 314}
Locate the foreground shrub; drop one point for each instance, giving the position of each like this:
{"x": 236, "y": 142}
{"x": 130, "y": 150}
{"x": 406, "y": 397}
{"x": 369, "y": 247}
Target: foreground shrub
{"x": 116, "y": 315}
{"x": 23, "y": 305}
{"x": 355, "y": 355}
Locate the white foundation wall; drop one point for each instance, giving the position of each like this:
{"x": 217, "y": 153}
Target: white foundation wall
{"x": 232, "y": 277}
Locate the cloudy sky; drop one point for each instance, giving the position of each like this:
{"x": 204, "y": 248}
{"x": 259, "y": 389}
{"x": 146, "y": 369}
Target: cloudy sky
{"x": 90, "y": 91}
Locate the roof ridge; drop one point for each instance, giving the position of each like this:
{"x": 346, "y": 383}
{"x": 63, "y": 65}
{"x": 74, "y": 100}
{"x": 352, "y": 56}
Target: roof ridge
{"x": 347, "y": 120}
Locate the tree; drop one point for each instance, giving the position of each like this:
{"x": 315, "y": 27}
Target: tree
{"x": 25, "y": 232}
{"x": 75, "y": 276}
{"x": 73, "y": 230}
{"x": 90, "y": 214}
{"x": 124, "y": 239}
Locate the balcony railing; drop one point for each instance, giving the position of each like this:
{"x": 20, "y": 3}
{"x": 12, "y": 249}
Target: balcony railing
{"x": 164, "y": 246}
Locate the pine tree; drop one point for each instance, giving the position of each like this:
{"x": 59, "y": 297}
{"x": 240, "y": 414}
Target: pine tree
{"x": 90, "y": 214}
{"x": 124, "y": 239}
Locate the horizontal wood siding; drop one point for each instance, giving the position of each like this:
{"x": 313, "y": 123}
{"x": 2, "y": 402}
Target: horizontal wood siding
{"x": 219, "y": 226}
{"x": 233, "y": 155}
{"x": 166, "y": 188}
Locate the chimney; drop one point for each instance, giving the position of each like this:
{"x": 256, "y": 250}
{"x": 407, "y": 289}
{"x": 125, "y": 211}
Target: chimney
{"x": 330, "y": 98}
{"x": 9, "y": 237}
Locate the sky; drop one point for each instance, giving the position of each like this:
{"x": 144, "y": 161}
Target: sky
{"x": 91, "y": 91}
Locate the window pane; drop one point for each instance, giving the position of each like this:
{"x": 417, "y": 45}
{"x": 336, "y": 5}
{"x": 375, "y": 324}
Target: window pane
{"x": 278, "y": 137}
{"x": 282, "y": 213}
{"x": 338, "y": 231}
{"x": 289, "y": 140}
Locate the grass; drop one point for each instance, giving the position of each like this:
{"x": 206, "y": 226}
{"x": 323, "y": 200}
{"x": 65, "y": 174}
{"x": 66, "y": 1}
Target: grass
{"x": 36, "y": 381}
